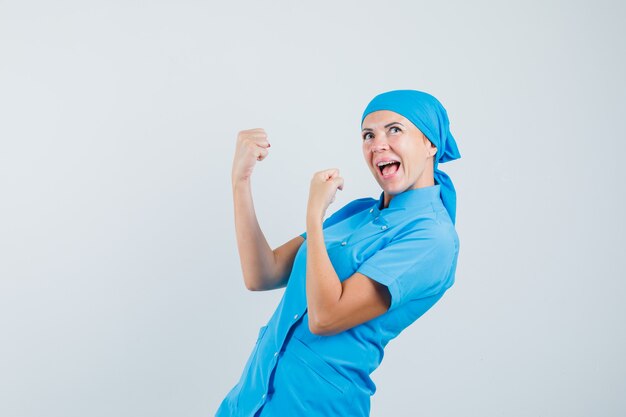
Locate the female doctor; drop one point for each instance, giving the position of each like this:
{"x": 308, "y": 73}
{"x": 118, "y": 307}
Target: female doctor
{"x": 355, "y": 280}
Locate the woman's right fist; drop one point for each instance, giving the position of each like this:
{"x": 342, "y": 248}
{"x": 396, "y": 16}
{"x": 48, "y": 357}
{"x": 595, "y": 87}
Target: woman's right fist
{"x": 252, "y": 146}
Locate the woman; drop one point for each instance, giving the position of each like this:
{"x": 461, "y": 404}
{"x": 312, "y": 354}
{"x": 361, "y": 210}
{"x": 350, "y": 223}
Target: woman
{"x": 356, "y": 280}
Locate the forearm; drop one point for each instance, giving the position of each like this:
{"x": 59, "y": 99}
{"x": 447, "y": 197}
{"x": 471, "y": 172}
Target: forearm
{"x": 323, "y": 287}
{"x": 257, "y": 257}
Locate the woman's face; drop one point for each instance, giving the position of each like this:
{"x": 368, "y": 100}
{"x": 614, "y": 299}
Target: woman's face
{"x": 388, "y": 136}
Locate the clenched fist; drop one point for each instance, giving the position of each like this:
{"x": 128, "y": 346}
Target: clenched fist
{"x": 324, "y": 186}
{"x": 252, "y": 146}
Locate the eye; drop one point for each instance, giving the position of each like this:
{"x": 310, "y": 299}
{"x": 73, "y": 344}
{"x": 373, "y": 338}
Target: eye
{"x": 395, "y": 129}
{"x": 367, "y": 136}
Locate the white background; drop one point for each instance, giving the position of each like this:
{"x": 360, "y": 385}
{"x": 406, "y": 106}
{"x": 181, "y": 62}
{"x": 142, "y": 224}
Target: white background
{"x": 120, "y": 285}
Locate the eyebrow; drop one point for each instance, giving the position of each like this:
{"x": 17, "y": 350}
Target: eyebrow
{"x": 367, "y": 129}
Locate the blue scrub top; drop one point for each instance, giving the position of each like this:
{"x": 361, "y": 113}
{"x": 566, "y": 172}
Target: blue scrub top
{"x": 411, "y": 247}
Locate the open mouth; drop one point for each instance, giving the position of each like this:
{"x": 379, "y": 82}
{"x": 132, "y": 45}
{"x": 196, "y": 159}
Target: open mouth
{"x": 388, "y": 168}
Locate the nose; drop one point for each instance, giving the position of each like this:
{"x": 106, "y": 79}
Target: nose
{"x": 379, "y": 143}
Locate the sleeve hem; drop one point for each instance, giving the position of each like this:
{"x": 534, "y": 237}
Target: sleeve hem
{"x": 382, "y": 278}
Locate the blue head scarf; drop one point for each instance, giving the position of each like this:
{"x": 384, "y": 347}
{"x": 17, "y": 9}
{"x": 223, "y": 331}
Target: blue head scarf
{"x": 429, "y": 116}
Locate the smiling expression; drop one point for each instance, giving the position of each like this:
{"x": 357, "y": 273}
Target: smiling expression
{"x": 391, "y": 139}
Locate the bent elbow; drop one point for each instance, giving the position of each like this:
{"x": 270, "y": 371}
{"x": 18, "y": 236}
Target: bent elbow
{"x": 321, "y": 328}
{"x": 264, "y": 283}
{"x": 253, "y": 283}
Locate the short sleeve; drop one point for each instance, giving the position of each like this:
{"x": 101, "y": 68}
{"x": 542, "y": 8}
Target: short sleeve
{"x": 416, "y": 265}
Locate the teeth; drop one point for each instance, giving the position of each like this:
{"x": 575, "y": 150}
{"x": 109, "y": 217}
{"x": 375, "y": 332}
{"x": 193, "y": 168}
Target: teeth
{"x": 381, "y": 164}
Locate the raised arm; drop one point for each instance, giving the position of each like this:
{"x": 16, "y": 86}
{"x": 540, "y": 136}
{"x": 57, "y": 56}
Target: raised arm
{"x": 335, "y": 306}
{"x": 262, "y": 267}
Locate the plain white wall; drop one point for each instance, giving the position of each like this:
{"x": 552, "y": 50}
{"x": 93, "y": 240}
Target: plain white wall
{"x": 120, "y": 285}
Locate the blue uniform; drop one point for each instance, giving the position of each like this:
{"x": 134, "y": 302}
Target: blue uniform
{"x": 411, "y": 247}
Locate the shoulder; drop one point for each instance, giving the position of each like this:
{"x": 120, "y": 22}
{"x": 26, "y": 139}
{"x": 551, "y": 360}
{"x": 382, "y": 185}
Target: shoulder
{"x": 346, "y": 211}
{"x": 434, "y": 230}
{"x": 349, "y": 210}
{"x": 355, "y": 206}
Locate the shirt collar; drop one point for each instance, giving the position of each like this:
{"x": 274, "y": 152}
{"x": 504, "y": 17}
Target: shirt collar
{"x": 414, "y": 199}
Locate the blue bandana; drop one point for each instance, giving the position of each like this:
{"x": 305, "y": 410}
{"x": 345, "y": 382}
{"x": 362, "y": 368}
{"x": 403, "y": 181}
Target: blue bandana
{"x": 429, "y": 116}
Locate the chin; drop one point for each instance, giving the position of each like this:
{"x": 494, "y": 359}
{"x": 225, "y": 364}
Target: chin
{"x": 393, "y": 189}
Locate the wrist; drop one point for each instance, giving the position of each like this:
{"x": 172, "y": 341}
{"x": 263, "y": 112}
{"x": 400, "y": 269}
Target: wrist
{"x": 314, "y": 214}
{"x": 240, "y": 182}
{"x": 314, "y": 223}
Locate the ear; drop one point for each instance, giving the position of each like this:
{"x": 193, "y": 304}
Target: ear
{"x": 432, "y": 149}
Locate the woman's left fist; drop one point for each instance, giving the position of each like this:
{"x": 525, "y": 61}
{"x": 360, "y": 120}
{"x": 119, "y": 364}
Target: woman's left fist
{"x": 324, "y": 186}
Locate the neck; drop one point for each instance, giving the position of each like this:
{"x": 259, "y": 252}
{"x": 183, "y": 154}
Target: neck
{"x": 422, "y": 182}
